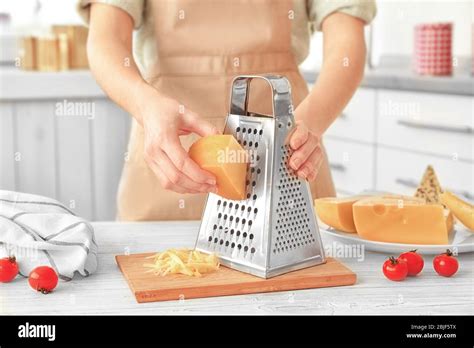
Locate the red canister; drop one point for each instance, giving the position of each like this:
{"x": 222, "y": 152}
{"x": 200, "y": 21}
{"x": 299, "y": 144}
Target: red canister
{"x": 433, "y": 49}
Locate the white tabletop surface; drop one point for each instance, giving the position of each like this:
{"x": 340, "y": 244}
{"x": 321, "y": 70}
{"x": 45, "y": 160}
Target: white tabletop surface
{"x": 106, "y": 291}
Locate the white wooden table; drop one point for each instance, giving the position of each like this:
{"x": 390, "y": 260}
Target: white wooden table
{"x": 106, "y": 291}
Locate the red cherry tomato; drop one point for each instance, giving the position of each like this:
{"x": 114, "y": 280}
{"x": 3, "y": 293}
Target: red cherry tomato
{"x": 395, "y": 269}
{"x": 8, "y": 269}
{"x": 414, "y": 262}
{"x": 43, "y": 279}
{"x": 446, "y": 264}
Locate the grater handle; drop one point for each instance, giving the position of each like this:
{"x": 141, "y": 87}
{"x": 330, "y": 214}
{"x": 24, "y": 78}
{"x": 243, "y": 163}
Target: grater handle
{"x": 281, "y": 94}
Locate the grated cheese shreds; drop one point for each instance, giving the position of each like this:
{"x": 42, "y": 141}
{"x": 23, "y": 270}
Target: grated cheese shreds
{"x": 183, "y": 261}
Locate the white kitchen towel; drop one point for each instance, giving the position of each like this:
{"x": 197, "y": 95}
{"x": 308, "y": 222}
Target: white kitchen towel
{"x": 40, "y": 231}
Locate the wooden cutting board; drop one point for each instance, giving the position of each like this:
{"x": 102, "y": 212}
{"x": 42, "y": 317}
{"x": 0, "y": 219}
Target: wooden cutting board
{"x": 148, "y": 287}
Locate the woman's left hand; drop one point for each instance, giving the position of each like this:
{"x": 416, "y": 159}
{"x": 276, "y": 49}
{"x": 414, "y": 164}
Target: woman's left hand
{"x": 307, "y": 156}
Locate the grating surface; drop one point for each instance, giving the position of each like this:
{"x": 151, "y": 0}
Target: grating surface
{"x": 292, "y": 224}
{"x": 234, "y": 230}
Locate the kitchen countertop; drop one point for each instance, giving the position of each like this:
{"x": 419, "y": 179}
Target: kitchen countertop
{"x": 16, "y": 84}
{"x": 106, "y": 291}
{"x": 395, "y": 72}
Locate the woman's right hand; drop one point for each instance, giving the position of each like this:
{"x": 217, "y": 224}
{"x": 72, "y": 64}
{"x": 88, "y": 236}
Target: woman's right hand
{"x": 164, "y": 120}
{"x": 109, "y": 46}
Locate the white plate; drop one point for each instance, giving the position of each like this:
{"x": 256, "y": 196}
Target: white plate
{"x": 461, "y": 241}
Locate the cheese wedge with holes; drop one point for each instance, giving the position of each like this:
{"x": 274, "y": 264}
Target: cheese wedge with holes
{"x": 337, "y": 212}
{"x": 394, "y": 220}
{"x": 223, "y": 156}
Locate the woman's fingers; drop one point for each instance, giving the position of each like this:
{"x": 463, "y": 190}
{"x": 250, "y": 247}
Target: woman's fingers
{"x": 184, "y": 164}
{"x": 309, "y": 169}
{"x": 164, "y": 181}
{"x": 299, "y": 136}
{"x": 198, "y": 125}
{"x": 299, "y": 156}
{"x": 178, "y": 177}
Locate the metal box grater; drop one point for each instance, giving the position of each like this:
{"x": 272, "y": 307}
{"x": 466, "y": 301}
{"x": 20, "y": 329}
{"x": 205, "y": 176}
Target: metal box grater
{"x": 274, "y": 230}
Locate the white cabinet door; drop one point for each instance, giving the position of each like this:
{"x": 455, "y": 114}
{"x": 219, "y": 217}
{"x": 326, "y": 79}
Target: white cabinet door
{"x": 351, "y": 165}
{"x": 74, "y": 160}
{"x": 357, "y": 122}
{"x": 431, "y": 123}
{"x": 110, "y": 131}
{"x": 401, "y": 171}
{"x": 35, "y": 146}
{"x": 7, "y": 152}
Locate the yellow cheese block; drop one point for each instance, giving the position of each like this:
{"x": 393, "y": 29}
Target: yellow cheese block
{"x": 400, "y": 221}
{"x": 463, "y": 211}
{"x": 449, "y": 219}
{"x": 223, "y": 156}
{"x": 337, "y": 212}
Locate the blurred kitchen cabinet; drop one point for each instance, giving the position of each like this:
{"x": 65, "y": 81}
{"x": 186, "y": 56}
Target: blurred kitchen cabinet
{"x": 357, "y": 121}
{"x": 385, "y": 139}
{"x": 7, "y": 153}
{"x": 75, "y": 158}
{"x": 110, "y": 131}
{"x": 439, "y": 124}
{"x": 34, "y": 147}
{"x": 455, "y": 175}
{"x": 352, "y": 165}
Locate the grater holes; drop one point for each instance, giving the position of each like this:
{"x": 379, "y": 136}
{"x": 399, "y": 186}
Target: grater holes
{"x": 291, "y": 225}
{"x": 238, "y": 215}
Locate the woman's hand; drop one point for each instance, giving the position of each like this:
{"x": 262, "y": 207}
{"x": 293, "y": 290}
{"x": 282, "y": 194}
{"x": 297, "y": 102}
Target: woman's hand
{"x": 109, "y": 46}
{"x": 307, "y": 156}
{"x": 164, "y": 120}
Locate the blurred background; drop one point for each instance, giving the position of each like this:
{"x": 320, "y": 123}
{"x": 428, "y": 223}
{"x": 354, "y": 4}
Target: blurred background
{"x": 61, "y": 137}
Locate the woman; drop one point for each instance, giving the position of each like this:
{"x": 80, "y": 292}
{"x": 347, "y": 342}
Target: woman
{"x": 186, "y": 54}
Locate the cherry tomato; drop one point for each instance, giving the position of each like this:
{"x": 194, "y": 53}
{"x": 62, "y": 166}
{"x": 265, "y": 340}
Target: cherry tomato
{"x": 395, "y": 269}
{"x": 446, "y": 264}
{"x": 8, "y": 269}
{"x": 43, "y": 279}
{"x": 414, "y": 261}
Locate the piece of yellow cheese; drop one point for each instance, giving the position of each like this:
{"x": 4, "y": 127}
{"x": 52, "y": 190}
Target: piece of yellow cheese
{"x": 223, "y": 156}
{"x": 463, "y": 211}
{"x": 449, "y": 219}
{"x": 394, "y": 220}
{"x": 337, "y": 212}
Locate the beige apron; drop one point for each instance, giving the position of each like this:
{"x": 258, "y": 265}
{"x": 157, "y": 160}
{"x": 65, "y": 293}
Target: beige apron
{"x": 202, "y": 45}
